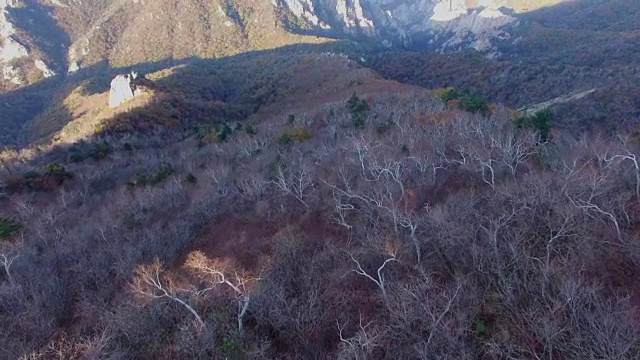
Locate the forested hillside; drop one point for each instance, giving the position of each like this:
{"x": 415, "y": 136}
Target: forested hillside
{"x": 269, "y": 191}
{"x": 386, "y": 226}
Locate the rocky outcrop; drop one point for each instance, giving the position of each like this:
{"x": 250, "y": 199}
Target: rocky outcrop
{"x": 439, "y": 25}
{"x": 123, "y": 89}
{"x": 10, "y": 49}
{"x": 24, "y": 53}
{"x": 42, "y": 66}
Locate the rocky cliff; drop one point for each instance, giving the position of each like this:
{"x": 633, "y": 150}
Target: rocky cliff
{"x": 440, "y": 25}
{"x": 39, "y": 38}
{"x": 32, "y": 46}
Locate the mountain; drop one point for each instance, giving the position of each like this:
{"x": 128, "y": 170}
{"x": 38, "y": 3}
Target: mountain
{"x": 65, "y": 35}
{"x": 383, "y": 224}
{"x": 32, "y": 46}
{"x": 83, "y": 33}
{"x": 518, "y": 53}
{"x": 397, "y": 179}
{"x": 428, "y": 24}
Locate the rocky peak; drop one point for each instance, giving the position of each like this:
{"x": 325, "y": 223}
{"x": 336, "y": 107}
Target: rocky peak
{"x": 440, "y": 25}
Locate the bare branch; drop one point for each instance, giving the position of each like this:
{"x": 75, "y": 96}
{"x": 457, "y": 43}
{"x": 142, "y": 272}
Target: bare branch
{"x": 147, "y": 282}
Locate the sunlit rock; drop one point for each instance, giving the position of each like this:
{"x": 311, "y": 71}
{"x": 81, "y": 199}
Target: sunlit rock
{"x": 123, "y": 89}
{"x": 42, "y": 66}
{"x": 12, "y": 75}
{"x": 443, "y": 25}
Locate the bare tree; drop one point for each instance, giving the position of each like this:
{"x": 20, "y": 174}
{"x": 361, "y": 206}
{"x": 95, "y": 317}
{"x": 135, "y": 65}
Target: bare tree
{"x": 295, "y": 179}
{"x": 379, "y": 278}
{"x": 360, "y": 345}
{"x": 514, "y": 147}
{"x": 363, "y": 148}
{"x": 384, "y": 189}
{"x": 590, "y": 187}
{"x": 148, "y": 282}
{"x": 621, "y": 154}
{"x": 7, "y": 257}
{"x": 425, "y": 314}
{"x": 215, "y": 273}
{"x": 253, "y": 186}
{"x": 342, "y": 209}
{"x": 493, "y": 224}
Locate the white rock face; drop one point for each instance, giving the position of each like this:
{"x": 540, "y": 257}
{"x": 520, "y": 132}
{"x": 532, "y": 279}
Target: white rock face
{"x": 46, "y": 71}
{"x": 450, "y": 24}
{"x": 7, "y": 3}
{"x": 121, "y": 90}
{"x": 482, "y": 25}
{"x": 10, "y": 74}
{"x": 449, "y": 10}
{"x": 10, "y": 49}
{"x": 76, "y": 53}
{"x": 73, "y": 67}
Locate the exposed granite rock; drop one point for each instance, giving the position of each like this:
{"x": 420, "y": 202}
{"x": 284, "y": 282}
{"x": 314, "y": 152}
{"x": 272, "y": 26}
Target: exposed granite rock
{"x": 439, "y": 25}
{"x": 42, "y": 66}
{"x": 122, "y": 89}
{"x": 10, "y": 49}
{"x": 125, "y": 87}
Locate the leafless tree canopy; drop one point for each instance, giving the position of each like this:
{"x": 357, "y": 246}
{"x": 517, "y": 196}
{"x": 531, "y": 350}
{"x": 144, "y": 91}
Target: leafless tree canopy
{"x": 430, "y": 233}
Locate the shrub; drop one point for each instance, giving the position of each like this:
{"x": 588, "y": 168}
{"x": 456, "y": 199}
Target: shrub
{"x": 284, "y": 139}
{"x": 540, "y": 122}
{"x": 163, "y": 171}
{"x": 445, "y": 94}
{"x": 466, "y": 100}
{"x": 53, "y": 176}
{"x": 210, "y": 138}
{"x": 274, "y": 167}
{"x": 138, "y": 180}
{"x": 57, "y": 171}
{"x": 76, "y": 156}
{"x": 31, "y": 174}
{"x": 229, "y": 348}
{"x": 359, "y": 109}
{"x": 97, "y": 151}
{"x": 9, "y": 228}
{"x": 224, "y": 131}
{"x": 297, "y": 23}
{"x": 191, "y": 179}
{"x": 474, "y": 103}
{"x": 405, "y": 150}
{"x": 100, "y": 151}
{"x": 250, "y": 130}
{"x": 294, "y": 135}
{"x": 210, "y": 135}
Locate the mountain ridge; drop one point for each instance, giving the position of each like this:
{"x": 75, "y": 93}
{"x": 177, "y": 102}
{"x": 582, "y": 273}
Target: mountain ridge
{"x": 91, "y": 31}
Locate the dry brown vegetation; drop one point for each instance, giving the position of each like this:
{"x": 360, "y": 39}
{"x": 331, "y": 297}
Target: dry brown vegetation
{"x": 555, "y": 51}
{"x": 613, "y": 107}
{"x": 128, "y": 33}
{"x": 426, "y": 233}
